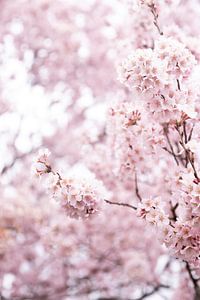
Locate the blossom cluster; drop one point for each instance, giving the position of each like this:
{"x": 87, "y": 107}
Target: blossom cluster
{"x": 122, "y": 128}
{"x": 131, "y": 143}
{"x": 180, "y": 237}
{"x": 152, "y": 212}
{"x": 186, "y": 228}
{"x": 42, "y": 165}
{"x": 161, "y": 79}
{"x": 80, "y": 197}
{"x": 180, "y": 231}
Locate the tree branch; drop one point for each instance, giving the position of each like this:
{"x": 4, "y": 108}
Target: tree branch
{"x": 187, "y": 151}
{"x": 136, "y": 188}
{"x": 121, "y": 204}
{"x": 165, "y": 128}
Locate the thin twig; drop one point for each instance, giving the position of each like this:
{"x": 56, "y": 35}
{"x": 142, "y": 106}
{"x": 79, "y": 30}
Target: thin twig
{"x": 121, "y": 204}
{"x": 155, "y": 16}
{"x": 178, "y": 84}
{"x": 170, "y": 145}
{"x": 184, "y": 131}
{"x": 187, "y": 152}
{"x": 155, "y": 289}
{"x": 194, "y": 281}
{"x": 136, "y": 188}
{"x": 173, "y": 210}
{"x": 190, "y": 134}
{"x": 176, "y": 154}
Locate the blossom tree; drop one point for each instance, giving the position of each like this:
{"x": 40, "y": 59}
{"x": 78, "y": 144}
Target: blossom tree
{"x": 107, "y": 94}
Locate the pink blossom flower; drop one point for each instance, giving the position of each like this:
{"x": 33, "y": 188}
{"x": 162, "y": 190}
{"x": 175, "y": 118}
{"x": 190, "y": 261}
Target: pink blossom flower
{"x": 41, "y": 166}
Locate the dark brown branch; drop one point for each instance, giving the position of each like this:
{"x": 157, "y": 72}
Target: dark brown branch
{"x": 155, "y": 16}
{"x": 155, "y": 289}
{"x": 165, "y": 128}
{"x": 178, "y": 84}
{"x": 188, "y": 153}
{"x": 165, "y": 148}
{"x": 190, "y": 134}
{"x": 173, "y": 210}
{"x": 121, "y": 204}
{"x": 136, "y": 188}
{"x": 184, "y": 131}
{"x": 194, "y": 281}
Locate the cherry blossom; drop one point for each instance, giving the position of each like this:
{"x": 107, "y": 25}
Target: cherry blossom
{"x": 100, "y": 99}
